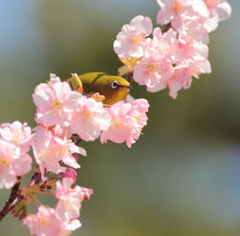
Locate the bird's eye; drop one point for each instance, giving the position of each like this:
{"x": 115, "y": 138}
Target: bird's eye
{"x": 114, "y": 84}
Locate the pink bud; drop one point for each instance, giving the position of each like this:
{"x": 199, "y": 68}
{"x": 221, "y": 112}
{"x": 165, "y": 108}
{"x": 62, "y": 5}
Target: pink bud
{"x": 71, "y": 173}
{"x": 75, "y": 156}
{"x": 87, "y": 192}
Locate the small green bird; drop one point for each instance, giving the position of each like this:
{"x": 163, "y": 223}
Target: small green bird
{"x": 114, "y": 88}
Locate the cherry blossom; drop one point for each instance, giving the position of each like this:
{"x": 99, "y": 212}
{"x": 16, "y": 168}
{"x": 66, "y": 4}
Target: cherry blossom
{"x": 131, "y": 40}
{"x": 219, "y": 10}
{"x": 177, "y": 11}
{"x": 87, "y": 193}
{"x": 197, "y": 68}
{"x": 69, "y": 203}
{"x": 194, "y": 28}
{"x": 54, "y": 78}
{"x": 138, "y": 112}
{"x": 43, "y": 150}
{"x": 71, "y": 173}
{"x": 121, "y": 124}
{"x": 126, "y": 123}
{"x": 64, "y": 149}
{"x": 153, "y": 68}
{"x": 90, "y": 118}
{"x": 13, "y": 163}
{"x": 163, "y": 42}
{"x": 17, "y": 133}
{"x": 189, "y": 50}
{"x": 46, "y": 222}
{"x": 55, "y": 103}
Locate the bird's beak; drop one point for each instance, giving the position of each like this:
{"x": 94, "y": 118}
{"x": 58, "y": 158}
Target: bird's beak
{"x": 126, "y": 86}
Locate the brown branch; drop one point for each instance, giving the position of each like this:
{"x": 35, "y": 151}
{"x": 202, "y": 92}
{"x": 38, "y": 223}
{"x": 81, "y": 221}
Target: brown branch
{"x": 14, "y": 199}
{"x": 15, "y": 196}
{"x": 76, "y": 139}
{"x": 168, "y": 26}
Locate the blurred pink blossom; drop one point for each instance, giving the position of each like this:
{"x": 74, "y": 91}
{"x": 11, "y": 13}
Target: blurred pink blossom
{"x": 69, "y": 203}
{"x": 47, "y": 223}
{"x": 13, "y": 163}
{"x": 17, "y": 133}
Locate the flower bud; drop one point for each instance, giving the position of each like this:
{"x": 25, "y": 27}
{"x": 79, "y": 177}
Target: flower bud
{"x": 71, "y": 173}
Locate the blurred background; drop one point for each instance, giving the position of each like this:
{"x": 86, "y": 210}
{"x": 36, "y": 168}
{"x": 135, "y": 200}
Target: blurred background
{"x": 182, "y": 176}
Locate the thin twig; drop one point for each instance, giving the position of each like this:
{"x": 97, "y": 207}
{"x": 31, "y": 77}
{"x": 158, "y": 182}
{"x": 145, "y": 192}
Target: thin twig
{"x": 14, "y": 199}
{"x": 168, "y": 26}
{"x": 15, "y": 196}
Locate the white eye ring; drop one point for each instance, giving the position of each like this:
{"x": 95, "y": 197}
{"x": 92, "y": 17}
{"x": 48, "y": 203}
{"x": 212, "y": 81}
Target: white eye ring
{"x": 114, "y": 84}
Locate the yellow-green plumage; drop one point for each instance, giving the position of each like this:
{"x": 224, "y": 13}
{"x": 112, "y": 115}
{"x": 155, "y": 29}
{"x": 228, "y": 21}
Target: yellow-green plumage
{"x": 114, "y": 88}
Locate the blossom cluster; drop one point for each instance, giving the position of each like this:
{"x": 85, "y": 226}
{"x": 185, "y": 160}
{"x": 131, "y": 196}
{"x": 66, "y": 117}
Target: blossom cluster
{"x": 15, "y": 142}
{"x": 173, "y": 56}
{"x": 61, "y": 220}
{"x": 64, "y": 218}
{"x": 64, "y": 118}
{"x": 58, "y": 105}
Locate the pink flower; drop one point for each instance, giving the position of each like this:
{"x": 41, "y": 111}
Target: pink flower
{"x": 55, "y": 103}
{"x": 64, "y": 149}
{"x": 189, "y": 50}
{"x": 54, "y": 79}
{"x": 219, "y": 10}
{"x": 45, "y": 156}
{"x": 71, "y": 173}
{"x": 197, "y": 68}
{"x": 69, "y": 203}
{"x": 131, "y": 40}
{"x": 47, "y": 223}
{"x": 87, "y": 192}
{"x": 153, "y": 68}
{"x": 13, "y": 163}
{"x": 128, "y": 120}
{"x": 182, "y": 77}
{"x": 194, "y": 29}
{"x": 176, "y": 11}
{"x": 138, "y": 111}
{"x": 175, "y": 83}
{"x": 17, "y": 134}
{"x": 163, "y": 42}
{"x": 121, "y": 124}
{"x": 64, "y": 190}
{"x": 90, "y": 118}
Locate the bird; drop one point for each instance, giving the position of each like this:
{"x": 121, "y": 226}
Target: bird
{"x": 113, "y": 88}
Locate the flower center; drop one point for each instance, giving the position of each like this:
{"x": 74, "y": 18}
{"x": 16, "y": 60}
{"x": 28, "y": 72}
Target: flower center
{"x": 136, "y": 40}
{"x": 164, "y": 47}
{"x": 57, "y": 104}
{"x": 43, "y": 221}
{"x": 195, "y": 71}
{"x": 118, "y": 125}
{"x": 45, "y": 155}
{"x": 177, "y": 7}
{"x": 16, "y": 139}
{"x": 4, "y": 163}
{"x": 86, "y": 115}
{"x": 150, "y": 68}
